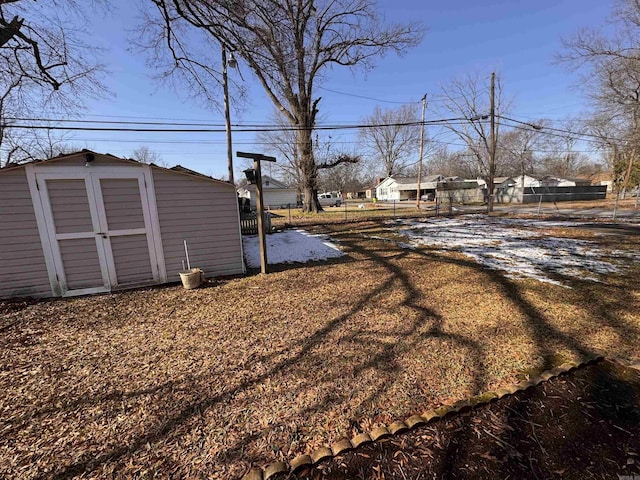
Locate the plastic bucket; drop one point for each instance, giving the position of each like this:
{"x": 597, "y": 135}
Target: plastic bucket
{"x": 191, "y": 278}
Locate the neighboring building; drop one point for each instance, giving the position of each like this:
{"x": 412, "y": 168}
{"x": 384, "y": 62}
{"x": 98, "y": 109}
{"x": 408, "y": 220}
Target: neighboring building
{"x": 524, "y": 181}
{"x": 275, "y": 194}
{"x": 502, "y": 182}
{"x": 549, "y": 181}
{"x": 364, "y": 194}
{"x": 405, "y": 188}
{"x": 603, "y": 178}
{"x": 460, "y": 191}
{"x": 549, "y": 189}
{"x": 88, "y": 223}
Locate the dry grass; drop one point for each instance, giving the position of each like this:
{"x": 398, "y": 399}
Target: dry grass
{"x": 203, "y": 384}
{"x": 331, "y": 215}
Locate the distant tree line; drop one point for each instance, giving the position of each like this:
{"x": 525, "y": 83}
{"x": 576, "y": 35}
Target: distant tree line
{"x": 50, "y": 66}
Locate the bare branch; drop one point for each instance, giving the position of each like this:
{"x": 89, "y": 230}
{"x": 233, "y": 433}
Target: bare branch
{"x": 287, "y": 44}
{"x": 468, "y": 97}
{"x": 392, "y": 137}
{"x": 46, "y": 64}
{"x": 343, "y": 158}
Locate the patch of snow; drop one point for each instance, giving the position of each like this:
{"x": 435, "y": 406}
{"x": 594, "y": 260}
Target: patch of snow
{"x": 290, "y": 246}
{"x": 503, "y": 244}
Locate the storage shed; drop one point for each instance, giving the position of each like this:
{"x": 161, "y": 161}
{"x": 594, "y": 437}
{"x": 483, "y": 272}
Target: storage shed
{"x": 88, "y": 223}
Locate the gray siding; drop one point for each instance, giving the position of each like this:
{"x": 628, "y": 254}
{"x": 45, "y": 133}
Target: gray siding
{"x": 81, "y": 263}
{"x": 122, "y": 203}
{"x": 131, "y": 258}
{"x": 275, "y": 197}
{"x": 22, "y": 267}
{"x": 205, "y": 214}
{"x": 70, "y": 206}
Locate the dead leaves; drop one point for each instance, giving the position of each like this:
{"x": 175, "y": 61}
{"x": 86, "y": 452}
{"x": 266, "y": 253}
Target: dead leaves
{"x": 258, "y": 369}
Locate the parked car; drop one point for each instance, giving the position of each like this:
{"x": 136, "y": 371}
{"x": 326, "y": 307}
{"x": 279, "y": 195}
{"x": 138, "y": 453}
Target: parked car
{"x": 429, "y": 197}
{"x": 329, "y": 200}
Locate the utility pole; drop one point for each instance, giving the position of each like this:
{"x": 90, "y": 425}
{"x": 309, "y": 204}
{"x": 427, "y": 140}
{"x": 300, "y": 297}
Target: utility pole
{"x": 227, "y": 115}
{"x": 262, "y": 240}
{"x": 424, "y": 107}
{"x": 492, "y": 153}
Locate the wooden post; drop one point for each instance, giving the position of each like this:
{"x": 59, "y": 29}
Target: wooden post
{"x": 424, "y": 107}
{"x": 227, "y": 115}
{"x": 492, "y": 153}
{"x": 262, "y": 240}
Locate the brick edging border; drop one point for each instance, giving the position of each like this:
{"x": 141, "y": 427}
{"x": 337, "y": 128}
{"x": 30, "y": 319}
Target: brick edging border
{"x": 344, "y": 445}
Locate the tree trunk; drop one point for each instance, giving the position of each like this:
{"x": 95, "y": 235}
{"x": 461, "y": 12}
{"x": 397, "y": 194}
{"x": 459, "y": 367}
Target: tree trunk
{"x": 627, "y": 174}
{"x": 309, "y": 171}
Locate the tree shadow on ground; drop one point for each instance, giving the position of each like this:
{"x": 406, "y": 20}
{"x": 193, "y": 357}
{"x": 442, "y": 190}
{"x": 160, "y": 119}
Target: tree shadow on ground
{"x": 383, "y": 356}
{"x": 605, "y": 389}
{"x": 382, "y": 360}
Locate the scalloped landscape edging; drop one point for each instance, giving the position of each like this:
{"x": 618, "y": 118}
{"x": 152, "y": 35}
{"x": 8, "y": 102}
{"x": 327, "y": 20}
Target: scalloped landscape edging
{"x": 398, "y": 427}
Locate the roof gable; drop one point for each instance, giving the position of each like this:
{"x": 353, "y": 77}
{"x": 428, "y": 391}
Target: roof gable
{"x": 270, "y": 182}
{"x": 90, "y": 156}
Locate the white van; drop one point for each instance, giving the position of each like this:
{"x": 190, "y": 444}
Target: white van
{"x": 329, "y": 200}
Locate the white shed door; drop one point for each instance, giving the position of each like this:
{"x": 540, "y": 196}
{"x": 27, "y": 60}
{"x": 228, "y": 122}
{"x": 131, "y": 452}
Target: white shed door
{"x": 73, "y": 224}
{"x": 126, "y": 230}
{"x": 100, "y": 230}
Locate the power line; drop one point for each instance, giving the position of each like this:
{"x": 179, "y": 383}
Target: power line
{"x": 577, "y": 135}
{"x": 114, "y": 122}
{"x": 431, "y": 99}
{"x": 447, "y": 98}
{"x": 222, "y": 142}
{"x": 239, "y": 129}
{"x": 366, "y": 98}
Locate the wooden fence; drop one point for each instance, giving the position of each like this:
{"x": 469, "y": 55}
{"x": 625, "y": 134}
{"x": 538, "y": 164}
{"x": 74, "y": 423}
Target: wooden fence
{"x": 249, "y": 223}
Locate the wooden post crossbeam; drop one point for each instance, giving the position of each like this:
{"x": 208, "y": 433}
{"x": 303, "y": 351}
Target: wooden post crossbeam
{"x": 262, "y": 240}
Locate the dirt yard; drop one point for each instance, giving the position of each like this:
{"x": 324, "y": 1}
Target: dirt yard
{"x": 530, "y": 435}
{"x": 168, "y": 383}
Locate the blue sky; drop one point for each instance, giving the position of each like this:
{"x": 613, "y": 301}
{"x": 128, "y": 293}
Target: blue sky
{"x": 515, "y": 37}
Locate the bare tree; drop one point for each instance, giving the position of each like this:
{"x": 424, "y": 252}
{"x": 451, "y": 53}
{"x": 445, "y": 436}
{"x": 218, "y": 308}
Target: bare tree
{"x": 517, "y": 150}
{"x": 391, "y": 137}
{"x": 466, "y": 100}
{"x": 144, "y": 154}
{"x": 615, "y": 149}
{"x": 281, "y": 142}
{"x": 47, "y": 68}
{"x": 610, "y": 64}
{"x": 37, "y": 145}
{"x": 560, "y": 157}
{"x": 289, "y": 45}
{"x": 344, "y": 178}
{"x": 449, "y": 163}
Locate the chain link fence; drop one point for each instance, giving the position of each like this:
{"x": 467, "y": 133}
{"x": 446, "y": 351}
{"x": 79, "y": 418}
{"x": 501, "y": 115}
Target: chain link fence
{"x": 608, "y": 208}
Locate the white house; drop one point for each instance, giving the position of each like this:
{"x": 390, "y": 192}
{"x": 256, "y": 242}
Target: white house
{"x": 524, "y": 181}
{"x": 550, "y": 181}
{"x": 275, "y": 194}
{"x": 405, "y": 188}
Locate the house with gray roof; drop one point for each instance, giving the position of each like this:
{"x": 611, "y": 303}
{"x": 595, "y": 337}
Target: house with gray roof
{"x": 406, "y": 188}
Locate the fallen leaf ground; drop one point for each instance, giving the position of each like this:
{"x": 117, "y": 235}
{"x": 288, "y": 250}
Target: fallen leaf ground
{"x": 584, "y": 425}
{"x": 168, "y": 383}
